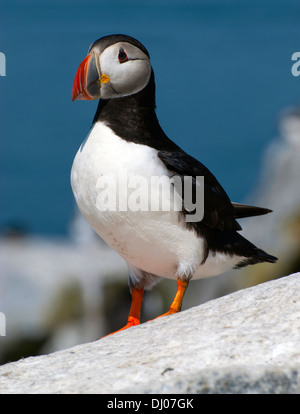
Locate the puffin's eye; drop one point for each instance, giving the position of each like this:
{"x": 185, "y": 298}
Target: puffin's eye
{"x": 122, "y": 56}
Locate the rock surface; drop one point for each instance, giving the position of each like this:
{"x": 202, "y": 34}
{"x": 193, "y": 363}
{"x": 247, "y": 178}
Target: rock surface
{"x": 246, "y": 342}
{"x": 53, "y": 289}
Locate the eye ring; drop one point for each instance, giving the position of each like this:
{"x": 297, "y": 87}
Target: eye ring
{"x": 122, "y": 56}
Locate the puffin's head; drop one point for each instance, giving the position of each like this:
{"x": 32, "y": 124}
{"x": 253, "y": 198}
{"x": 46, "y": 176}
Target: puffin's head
{"x": 116, "y": 66}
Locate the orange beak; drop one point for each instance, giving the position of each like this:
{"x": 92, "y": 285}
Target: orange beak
{"x": 86, "y": 85}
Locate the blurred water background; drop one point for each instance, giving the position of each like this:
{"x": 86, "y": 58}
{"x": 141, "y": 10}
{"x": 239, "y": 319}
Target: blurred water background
{"x": 224, "y": 89}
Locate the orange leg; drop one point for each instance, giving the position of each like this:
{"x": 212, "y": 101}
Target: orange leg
{"x": 177, "y": 302}
{"x": 135, "y": 310}
{"x": 137, "y": 299}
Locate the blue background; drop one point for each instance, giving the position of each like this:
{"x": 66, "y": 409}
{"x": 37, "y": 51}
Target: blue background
{"x": 223, "y": 75}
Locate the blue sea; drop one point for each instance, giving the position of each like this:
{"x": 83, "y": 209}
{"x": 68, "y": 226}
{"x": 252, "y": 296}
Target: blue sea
{"x": 223, "y": 76}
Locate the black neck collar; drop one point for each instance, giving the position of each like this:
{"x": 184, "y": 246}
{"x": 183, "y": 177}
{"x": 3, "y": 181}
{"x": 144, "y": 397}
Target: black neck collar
{"x": 133, "y": 118}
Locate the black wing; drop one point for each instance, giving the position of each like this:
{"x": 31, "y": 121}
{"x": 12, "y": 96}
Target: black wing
{"x": 219, "y": 212}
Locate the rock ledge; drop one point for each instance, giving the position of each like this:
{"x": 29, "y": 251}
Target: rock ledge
{"x": 246, "y": 342}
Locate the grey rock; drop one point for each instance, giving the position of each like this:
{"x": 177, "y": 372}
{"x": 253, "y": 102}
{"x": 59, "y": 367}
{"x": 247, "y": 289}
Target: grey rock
{"x": 246, "y": 342}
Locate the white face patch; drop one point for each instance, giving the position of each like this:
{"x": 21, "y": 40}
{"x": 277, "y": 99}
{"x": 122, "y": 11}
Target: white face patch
{"x": 126, "y": 77}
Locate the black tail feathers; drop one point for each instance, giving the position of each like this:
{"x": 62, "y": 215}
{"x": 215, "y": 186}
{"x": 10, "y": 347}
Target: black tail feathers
{"x": 257, "y": 256}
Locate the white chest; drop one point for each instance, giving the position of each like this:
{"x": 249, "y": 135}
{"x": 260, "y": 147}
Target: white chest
{"x": 154, "y": 241}
{"x": 104, "y": 159}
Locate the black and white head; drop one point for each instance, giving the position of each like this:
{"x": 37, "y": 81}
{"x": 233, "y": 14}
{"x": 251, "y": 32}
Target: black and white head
{"x": 116, "y": 66}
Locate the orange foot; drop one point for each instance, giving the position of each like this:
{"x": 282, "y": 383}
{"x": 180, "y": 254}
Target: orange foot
{"x": 135, "y": 310}
{"x": 137, "y": 298}
{"x": 177, "y": 302}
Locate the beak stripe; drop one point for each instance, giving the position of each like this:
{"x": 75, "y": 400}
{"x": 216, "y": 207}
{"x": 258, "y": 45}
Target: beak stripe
{"x": 80, "y": 81}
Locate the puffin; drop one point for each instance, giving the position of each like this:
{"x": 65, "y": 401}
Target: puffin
{"x": 114, "y": 171}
